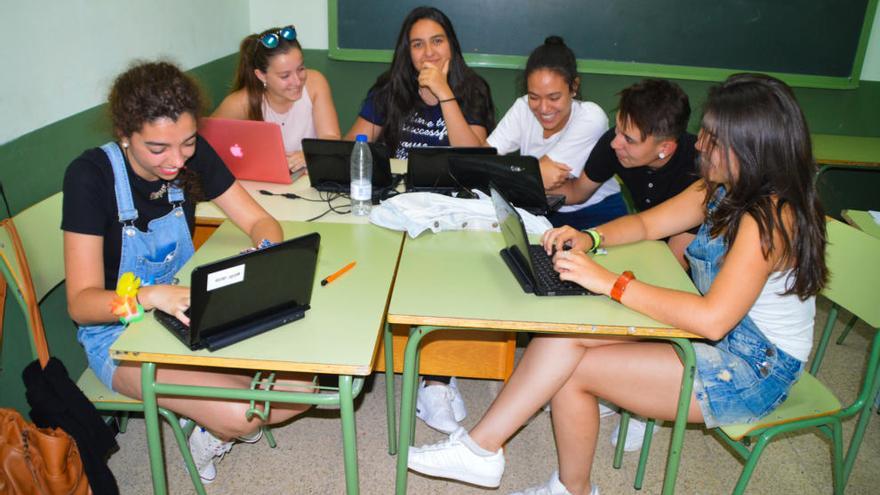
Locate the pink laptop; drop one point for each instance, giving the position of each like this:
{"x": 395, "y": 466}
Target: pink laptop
{"x": 253, "y": 150}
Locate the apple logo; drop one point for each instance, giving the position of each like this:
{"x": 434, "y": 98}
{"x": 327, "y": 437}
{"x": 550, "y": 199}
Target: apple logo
{"x": 235, "y": 149}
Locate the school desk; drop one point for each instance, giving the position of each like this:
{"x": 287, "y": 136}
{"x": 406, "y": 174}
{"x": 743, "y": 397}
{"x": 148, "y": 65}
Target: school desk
{"x": 308, "y": 206}
{"x": 494, "y": 352}
{"x": 863, "y": 221}
{"x": 458, "y": 280}
{"x": 829, "y": 149}
{"x": 349, "y": 310}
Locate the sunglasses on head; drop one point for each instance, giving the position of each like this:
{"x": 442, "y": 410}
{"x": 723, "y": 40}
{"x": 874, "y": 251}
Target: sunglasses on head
{"x": 271, "y": 39}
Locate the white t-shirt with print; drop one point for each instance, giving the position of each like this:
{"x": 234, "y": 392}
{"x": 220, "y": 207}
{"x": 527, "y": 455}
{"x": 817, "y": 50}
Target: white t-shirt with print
{"x": 520, "y": 130}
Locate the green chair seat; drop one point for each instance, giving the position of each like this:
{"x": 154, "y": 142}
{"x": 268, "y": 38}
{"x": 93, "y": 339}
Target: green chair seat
{"x": 98, "y": 392}
{"x": 808, "y": 398}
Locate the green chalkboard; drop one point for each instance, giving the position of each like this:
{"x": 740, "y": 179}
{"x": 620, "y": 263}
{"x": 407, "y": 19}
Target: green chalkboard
{"x": 810, "y": 43}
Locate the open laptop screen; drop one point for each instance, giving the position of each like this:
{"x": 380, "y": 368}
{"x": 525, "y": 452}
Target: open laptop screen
{"x": 254, "y": 285}
{"x": 512, "y": 229}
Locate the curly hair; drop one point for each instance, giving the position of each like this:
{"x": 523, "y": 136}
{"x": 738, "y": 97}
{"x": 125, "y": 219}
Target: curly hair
{"x": 149, "y": 91}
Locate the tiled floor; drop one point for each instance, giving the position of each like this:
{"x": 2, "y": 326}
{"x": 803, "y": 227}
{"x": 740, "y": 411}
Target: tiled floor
{"x": 308, "y": 459}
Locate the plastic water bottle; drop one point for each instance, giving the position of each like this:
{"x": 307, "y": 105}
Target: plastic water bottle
{"x": 361, "y": 177}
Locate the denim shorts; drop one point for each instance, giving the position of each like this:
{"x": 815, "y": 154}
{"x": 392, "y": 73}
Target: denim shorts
{"x": 742, "y": 378}
{"x": 96, "y": 340}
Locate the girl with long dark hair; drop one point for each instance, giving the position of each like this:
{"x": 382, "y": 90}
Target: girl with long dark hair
{"x": 429, "y": 96}
{"x": 758, "y": 261}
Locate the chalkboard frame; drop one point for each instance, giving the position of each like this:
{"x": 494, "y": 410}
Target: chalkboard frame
{"x": 605, "y": 67}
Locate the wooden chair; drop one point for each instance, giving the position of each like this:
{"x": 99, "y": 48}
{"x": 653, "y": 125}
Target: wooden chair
{"x": 47, "y": 253}
{"x": 853, "y": 259}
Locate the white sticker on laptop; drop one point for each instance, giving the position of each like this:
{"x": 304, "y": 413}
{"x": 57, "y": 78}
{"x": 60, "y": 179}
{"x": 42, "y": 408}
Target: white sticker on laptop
{"x": 225, "y": 277}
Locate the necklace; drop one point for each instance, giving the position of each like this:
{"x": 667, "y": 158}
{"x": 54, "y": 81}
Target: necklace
{"x": 161, "y": 192}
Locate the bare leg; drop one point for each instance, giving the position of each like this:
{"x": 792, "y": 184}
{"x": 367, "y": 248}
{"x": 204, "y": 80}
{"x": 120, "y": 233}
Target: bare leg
{"x": 225, "y": 418}
{"x": 644, "y": 378}
{"x": 546, "y": 365}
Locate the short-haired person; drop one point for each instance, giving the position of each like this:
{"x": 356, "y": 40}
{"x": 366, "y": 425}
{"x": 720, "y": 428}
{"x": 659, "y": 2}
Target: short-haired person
{"x": 758, "y": 262}
{"x": 273, "y": 84}
{"x": 429, "y": 96}
{"x": 649, "y": 149}
{"x": 551, "y": 123}
{"x": 129, "y": 207}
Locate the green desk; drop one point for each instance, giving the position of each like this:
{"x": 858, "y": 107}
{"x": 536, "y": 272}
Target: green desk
{"x": 863, "y": 221}
{"x": 846, "y": 150}
{"x": 350, "y": 311}
{"x": 458, "y": 280}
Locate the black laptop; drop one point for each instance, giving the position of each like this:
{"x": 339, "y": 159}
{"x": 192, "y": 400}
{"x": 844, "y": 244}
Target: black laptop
{"x": 427, "y": 168}
{"x": 329, "y": 164}
{"x": 247, "y": 294}
{"x": 529, "y": 263}
{"x": 517, "y": 177}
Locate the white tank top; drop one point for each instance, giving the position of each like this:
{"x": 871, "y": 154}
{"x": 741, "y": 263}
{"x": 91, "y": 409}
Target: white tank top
{"x": 785, "y": 320}
{"x": 296, "y": 124}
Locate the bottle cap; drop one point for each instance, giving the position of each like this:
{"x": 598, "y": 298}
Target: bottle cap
{"x": 361, "y": 138}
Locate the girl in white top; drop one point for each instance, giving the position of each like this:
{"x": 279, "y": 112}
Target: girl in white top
{"x": 273, "y": 84}
{"x": 550, "y": 123}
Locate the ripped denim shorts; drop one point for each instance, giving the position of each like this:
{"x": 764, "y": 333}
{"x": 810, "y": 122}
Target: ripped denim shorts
{"x": 96, "y": 340}
{"x": 742, "y": 377}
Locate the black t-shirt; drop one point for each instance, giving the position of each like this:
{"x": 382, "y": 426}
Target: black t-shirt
{"x": 648, "y": 187}
{"x": 90, "y": 200}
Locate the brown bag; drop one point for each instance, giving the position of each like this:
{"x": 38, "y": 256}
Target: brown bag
{"x": 38, "y": 461}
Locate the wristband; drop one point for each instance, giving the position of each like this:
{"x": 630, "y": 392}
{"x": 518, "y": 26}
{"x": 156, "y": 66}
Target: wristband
{"x": 597, "y": 239}
{"x": 620, "y": 285}
{"x": 125, "y": 305}
{"x": 448, "y": 99}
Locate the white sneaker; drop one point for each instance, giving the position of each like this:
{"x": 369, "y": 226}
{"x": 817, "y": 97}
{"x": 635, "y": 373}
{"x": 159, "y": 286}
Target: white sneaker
{"x": 552, "y": 487}
{"x": 205, "y": 448}
{"x": 457, "y": 459}
{"x": 252, "y": 438}
{"x": 458, "y": 409}
{"x": 434, "y": 407}
{"x": 635, "y": 434}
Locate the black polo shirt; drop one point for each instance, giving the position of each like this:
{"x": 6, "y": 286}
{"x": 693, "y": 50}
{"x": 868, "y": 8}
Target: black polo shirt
{"x": 648, "y": 186}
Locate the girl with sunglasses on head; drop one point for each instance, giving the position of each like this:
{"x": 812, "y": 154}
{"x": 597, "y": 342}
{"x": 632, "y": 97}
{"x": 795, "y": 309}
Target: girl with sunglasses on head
{"x": 129, "y": 208}
{"x": 551, "y": 123}
{"x": 273, "y": 84}
{"x": 758, "y": 261}
{"x": 429, "y": 96}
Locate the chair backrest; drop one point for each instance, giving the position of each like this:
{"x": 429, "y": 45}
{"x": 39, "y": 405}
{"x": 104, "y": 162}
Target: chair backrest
{"x": 853, "y": 259}
{"x": 14, "y": 265}
{"x": 39, "y": 228}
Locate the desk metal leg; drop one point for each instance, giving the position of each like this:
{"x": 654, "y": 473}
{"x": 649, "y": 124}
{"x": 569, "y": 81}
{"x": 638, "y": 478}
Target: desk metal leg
{"x": 349, "y": 435}
{"x": 407, "y": 404}
{"x": 151, "y": 418}
{"x": 390, "y": 406}
{"x": 686, "y": 352}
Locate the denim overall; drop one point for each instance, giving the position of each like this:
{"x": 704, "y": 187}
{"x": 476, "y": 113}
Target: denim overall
{"x": 154, "y": 256}
{"x": 743, "y": 376}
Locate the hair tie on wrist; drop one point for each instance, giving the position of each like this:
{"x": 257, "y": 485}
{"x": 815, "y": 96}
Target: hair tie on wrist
{"x": 449, "y": 99}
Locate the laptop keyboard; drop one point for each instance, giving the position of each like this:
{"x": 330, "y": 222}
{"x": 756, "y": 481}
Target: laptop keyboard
{"x": 172, "y": 323}
{"x": 546, "y": 277}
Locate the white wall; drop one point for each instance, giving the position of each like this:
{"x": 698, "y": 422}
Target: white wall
{"x": 60, "y": 56}
{"x": 309, "y": 17}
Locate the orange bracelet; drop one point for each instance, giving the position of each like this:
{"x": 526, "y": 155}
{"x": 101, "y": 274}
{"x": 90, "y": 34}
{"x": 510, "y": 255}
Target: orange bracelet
{"x": 620, "y": 285}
